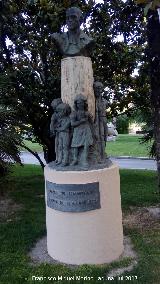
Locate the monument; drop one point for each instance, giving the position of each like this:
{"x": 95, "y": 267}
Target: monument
{"x": 83, "y": 208}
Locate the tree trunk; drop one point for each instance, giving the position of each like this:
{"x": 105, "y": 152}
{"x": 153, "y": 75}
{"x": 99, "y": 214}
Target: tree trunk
{"x": 35, "y": 154}
{"x": 77, "y": 79}
{"x": 50, "y": 154}
{"x": 153, "y": 30}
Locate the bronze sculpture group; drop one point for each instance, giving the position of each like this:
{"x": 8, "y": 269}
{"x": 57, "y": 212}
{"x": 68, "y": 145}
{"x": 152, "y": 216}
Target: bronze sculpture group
{"x": 76, "y": 133}
{"x": 79, "y": 139}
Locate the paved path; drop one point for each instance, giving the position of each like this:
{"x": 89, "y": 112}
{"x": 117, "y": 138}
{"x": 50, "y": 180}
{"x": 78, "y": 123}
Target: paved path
{"x": 28, "y": 158}
{"x": 124, "y": 163}
{"x": 132, "y": 163}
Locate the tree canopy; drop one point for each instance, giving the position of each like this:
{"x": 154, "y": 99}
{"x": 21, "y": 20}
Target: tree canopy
{"x": 30, "y": 62}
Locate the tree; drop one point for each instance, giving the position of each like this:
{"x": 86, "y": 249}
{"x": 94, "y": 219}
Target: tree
{"x": 153, "y": 36}
{"x": 32, "y": 64}
{"x": 10, "y": 137}
{"x": 9, "y": 141}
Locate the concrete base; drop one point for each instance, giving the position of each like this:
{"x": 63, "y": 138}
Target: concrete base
{"x": 92, "y": 237}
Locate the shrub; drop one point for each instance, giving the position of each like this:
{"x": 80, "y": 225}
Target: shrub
{"x": 122, "y": 124}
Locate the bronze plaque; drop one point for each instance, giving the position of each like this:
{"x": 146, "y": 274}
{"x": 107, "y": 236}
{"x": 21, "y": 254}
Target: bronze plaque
{"x": 73, "y": 197}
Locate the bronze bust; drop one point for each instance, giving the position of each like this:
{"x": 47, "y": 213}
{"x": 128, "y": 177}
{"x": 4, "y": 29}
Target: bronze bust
{"x": 74, "y": 42}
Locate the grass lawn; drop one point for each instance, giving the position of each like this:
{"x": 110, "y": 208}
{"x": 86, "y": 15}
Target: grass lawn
{"x": 127, "y": 145}
{"x": 20, "y": 231}
{"x": 33, "y": 146}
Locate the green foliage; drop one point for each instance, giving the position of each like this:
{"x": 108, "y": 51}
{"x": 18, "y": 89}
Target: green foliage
{"x": 10, "y": 136}
{"x": 32, "y": 63}
{"x": 9, "y": 140}
{"x": 122, "y": 124}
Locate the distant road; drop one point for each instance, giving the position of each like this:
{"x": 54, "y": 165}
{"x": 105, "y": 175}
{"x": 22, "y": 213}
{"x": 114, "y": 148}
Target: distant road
{"x": 123, "y": 163}
{"x": 132, "y": 163}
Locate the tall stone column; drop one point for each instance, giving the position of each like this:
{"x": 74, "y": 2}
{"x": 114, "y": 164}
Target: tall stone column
{"x": 76, "y": 79}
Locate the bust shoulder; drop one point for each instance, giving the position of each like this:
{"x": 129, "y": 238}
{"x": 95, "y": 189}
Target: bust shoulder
{"x": 69, "y": 48}
{"x": 86, "y": 38}
{"x": 86, "y": 43}
{"x": 58, "y": 37}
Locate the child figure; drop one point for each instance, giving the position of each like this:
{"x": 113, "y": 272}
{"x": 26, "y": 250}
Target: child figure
{"x": 63, "y": 133}
{"x": 101, "y": 130}
{"x": 82, "y": 135}
{"x": 53, "y": 124}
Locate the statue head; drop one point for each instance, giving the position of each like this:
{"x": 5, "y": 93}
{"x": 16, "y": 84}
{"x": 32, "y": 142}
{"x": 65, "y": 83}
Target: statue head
{"x": 98, "y": 88}
{"x": 80, "y": 103}
{"x": 74, "y": 18}
{"x": 63, "y": 110}
{"x": 55, "y": 103}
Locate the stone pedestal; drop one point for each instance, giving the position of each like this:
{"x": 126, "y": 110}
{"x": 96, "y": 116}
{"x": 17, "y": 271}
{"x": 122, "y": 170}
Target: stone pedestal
{"x": 91, "y": 237}
{"x": 76, "y": 79}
